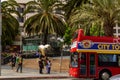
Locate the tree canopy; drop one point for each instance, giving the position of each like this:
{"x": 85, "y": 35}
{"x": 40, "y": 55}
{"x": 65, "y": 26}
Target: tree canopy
{"x": 105, "y": 13}
{"x": 46, "y": 19}
{"x": 10, "y": 24}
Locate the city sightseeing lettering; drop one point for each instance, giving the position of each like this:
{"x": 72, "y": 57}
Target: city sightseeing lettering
{"x": 109, "y": 46}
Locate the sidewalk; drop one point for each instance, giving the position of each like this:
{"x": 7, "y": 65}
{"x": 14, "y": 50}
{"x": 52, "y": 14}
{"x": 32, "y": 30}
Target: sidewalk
{"x": 8, "y": 73}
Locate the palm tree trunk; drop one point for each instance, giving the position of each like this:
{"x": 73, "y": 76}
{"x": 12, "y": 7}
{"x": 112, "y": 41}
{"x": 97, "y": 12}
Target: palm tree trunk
{"x": 99, "y": 30}
{"x": 87, "y": 31}
{"x": 45, "y": 37}
{"x": 108, "y": 29}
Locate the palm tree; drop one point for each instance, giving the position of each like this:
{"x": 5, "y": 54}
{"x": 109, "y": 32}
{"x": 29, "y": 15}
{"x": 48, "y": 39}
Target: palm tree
{"x": 10, "y": 24}
{"x": 102, "y": 12}
{"x": 71, "y": 5}
{"x": 69, "y": 8}
{"x": 46, "y": 20}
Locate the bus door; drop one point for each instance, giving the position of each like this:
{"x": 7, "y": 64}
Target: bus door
{"x": 92, "y": 64}
{"x": 87, "y": 65}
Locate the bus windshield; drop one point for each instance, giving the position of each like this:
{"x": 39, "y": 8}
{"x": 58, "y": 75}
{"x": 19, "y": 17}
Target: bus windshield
{"x": 74, "y": 59}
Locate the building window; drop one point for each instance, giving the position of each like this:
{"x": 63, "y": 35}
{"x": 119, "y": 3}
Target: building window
{"x": 118, "y": 30}
{"x": 58, "y": 11}
{"x": 21, "y": 10}
{"x": 21, "y": 19}
{"x": 114, "y": 30}
{"x": 118, "y": 24}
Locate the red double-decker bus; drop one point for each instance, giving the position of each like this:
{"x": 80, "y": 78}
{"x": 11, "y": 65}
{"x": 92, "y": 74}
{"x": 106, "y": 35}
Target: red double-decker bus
{"x": 94, "y": 57}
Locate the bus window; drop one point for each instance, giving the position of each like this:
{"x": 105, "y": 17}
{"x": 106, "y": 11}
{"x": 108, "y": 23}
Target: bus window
{"x": 107, "y": 60}
{"x": 74, "y": 60}
{"x": 83, "y": 64}
{"x": 92, "y": 64}
{"x": 119, "y": 60}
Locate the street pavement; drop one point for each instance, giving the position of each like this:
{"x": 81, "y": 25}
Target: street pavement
{"x": 33, "y": 74}
{"x": 30, "y": 74}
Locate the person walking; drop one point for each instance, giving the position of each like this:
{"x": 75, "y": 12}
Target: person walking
{"x": 20, "y": 62}
{"x": 13, "y": 61}
{"x": 48, "y": 66}
{"x": 45, "y": 63}
{"x": 41, "y": 65}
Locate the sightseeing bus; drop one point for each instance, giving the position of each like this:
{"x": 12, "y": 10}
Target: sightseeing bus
{"x": 94, "y": 57}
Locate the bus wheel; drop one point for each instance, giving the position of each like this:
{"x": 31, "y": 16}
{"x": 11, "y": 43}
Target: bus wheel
{"x": 105, "y": 76}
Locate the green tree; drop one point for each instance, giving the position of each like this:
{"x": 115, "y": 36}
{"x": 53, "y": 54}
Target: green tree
{"x": 10, "y": 24}
{"x": 96, "y": 30}
{"x": 46, "y": 20}
{"x": 69, "y": 8}
{"x": 68, "y": 36}
{"x": 103, "y": 12}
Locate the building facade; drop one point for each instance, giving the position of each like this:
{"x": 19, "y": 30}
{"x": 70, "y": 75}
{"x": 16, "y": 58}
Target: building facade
{"x": 117, "y": 30}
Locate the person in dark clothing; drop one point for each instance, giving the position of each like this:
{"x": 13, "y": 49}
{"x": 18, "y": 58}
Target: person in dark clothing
{"x": 20, "y": 62}
{"x": 13, "y": 61}
{"x": 41, "y": 66}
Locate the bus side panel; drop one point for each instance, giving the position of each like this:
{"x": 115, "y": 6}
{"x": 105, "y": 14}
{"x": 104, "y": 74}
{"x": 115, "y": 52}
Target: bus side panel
{"x": 113, "y": 70}
{"x": 74, "y": 72}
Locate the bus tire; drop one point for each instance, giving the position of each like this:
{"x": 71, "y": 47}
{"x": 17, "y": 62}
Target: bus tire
{"x": 105, "y": 75}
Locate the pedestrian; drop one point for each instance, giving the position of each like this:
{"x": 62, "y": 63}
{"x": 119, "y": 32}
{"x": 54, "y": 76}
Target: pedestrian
{"x": 45, "y": 59}
{"x": 17, "y": 60}
{"x": 41, "y": 65}
{"x": 20, "y": 62}
{"x": 48, "y": 66}
{"x": 13, "y": 60}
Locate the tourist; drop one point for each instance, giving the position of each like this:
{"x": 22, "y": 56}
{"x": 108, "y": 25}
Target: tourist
{"x": 48, "y": 66}
{"x": 41, "y": 66}
{"x": 19, "y": 62}
{"x": 13, "y": 60}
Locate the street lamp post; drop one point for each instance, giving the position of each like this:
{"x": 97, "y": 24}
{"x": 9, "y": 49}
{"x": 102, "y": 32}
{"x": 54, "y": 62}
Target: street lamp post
{"x": 61, "y": 50}
{"x": 21, "y": 37}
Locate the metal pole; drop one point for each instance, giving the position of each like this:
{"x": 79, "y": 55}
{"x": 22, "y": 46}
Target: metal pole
{"x": 61, "y": 60}
{"x": 61, "y": 50}
{"x": 21, "y": 42}
{"x": 21, "y": 34}
{"x": 0, "y": 36}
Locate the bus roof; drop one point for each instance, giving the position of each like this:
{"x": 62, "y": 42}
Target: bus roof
{"x": 81, "y": 37}
{"x": 97, "y": 44}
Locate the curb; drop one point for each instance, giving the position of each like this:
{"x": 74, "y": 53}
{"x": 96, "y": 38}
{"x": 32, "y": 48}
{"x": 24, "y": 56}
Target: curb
{"x": 31, "y": 77}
